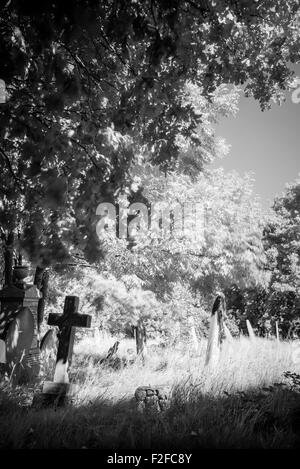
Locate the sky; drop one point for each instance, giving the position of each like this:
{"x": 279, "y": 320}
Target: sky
{"x": 264, "y": 143}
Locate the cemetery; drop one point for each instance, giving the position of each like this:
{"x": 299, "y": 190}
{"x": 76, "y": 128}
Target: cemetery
{"x": 73, "y": 375}
{"x": 149, "y": 292}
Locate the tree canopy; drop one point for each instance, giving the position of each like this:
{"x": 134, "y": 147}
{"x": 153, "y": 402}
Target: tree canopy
{"x": 282, "y": 240}
{"x": 95, "y": 86}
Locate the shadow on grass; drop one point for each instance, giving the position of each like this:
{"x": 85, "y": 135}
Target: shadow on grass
{"x": 260, "y": 418}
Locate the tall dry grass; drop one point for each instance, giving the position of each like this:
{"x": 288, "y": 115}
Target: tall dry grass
{"x": 244, "y": 365}
{"x": 237, "y": 404}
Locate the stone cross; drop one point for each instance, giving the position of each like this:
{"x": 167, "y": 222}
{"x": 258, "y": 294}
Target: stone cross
{"x": 66, "y": 323}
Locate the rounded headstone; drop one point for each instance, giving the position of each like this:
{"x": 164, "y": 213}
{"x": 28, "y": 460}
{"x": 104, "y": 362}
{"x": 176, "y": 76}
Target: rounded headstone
{"x": 19, "y": 336}
{"x": 49, "y": 341}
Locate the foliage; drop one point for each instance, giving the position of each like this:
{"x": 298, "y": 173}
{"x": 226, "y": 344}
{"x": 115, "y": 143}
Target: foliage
{"x": 282, "y": 240}
{"x": 248, "y": 303}
{"x": 220, "y": 245}
{"x": 278, "y": 299}
{"x": 115, "y": 304}
{"x": 93, "y": 85}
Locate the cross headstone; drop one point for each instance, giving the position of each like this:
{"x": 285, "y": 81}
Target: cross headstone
{"x": 58, "y": 391}
{"x": 66, "y": 323}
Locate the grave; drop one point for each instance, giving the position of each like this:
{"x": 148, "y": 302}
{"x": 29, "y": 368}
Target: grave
{"x": 16, "y": 324}
{"x": 49, "y": 341}
{"x": 152, "y": 399}
{"x": 250, "y": 330}
{"x": 215, "y": 331}
{"x": 111, "y": 354}
{"x": 18, "y": 340}
{"x": 60, "y": 391}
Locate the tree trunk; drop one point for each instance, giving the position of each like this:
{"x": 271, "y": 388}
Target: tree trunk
{"x": 8, "y": 259}
{"x": 41, "y": 280}
{"x": 38, "y": 277}
{"x": 141, "y": 339}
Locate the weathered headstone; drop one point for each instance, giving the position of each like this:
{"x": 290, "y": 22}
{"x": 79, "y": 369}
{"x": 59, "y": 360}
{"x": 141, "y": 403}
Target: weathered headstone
{"x": 250, "y": 330}
{"x": 110, "y": 354}
{"x": 18, "y": 341}
{"x": 141, "y": 339}
{"x": 215, "y": 331}
{"x": 58, "y": 391}
{"x": 152, "y": 399}
{"x": 277, "y": 331}
{"x": 49, "y": 341}
{"x": 13, "y": 298}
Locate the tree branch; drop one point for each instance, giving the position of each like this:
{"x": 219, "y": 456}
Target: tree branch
{"x": 17, "y": 180}
{"x": 85, "y": 150}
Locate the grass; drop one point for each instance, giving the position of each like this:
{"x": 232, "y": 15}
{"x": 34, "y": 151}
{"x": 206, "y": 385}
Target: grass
{"x": 246, "y": 402}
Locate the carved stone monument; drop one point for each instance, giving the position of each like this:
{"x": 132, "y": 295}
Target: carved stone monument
{"x": 14, "y": 299}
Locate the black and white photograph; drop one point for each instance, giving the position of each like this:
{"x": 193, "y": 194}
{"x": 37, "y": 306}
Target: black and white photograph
{"x": 149, "y": 227}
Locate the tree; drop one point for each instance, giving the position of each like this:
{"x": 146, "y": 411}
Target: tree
{"x": 282, "y": 244}
{"x": 282, "y": 240}
{"x": 278, "y": 298}
{"x": 184, "y": 270}
{"x": 91, "y": 85}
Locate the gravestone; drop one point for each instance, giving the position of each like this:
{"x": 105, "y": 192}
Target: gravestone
{"x": 215, "y": 331}
{"x": 140, "y": 339}
{"x": 49, "y": 341}
{"x": 277, "y": 331}
{"x": 250, "y": 330}
{"x": 18, "y": 340}
{"x": 152, "y": 399}
{"x": 13, "y": 298}
{"x": 60, "y": 390}
{"x": 66, "y": 323}
{"x": 110, "y": 354}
